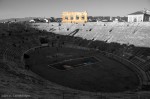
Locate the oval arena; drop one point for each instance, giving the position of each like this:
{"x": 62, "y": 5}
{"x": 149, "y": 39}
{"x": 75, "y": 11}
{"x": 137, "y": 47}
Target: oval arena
{"x": 79, "y": 61}
{"x": 82, "y": 69}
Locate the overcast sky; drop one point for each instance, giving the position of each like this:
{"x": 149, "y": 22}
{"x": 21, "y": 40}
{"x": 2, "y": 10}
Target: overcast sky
{"x": 49, "y": 8}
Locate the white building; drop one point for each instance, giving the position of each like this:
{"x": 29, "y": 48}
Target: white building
{"x": 32, "y": 21}
{"x": 46, "y": 20}
{"x": 139, "y": 16}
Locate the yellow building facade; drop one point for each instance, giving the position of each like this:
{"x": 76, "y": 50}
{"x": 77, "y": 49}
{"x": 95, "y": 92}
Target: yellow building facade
{"x": 74, "y": 17}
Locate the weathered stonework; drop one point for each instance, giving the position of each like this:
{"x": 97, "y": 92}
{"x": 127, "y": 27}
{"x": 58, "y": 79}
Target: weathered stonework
{"x": 74, "y": 17}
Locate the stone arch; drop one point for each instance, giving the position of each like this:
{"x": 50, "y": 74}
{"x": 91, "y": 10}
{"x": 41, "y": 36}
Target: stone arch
{"x": 135, "y": 20}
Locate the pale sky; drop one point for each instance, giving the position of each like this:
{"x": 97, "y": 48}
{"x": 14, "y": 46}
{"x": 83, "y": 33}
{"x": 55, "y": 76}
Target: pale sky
{"x": 53, "y": 8}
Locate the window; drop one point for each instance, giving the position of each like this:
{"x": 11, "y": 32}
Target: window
{"x": 66, "y": 18}
{"x": 77, "y": 17}
{"x": 83, "y": 17}
{"x": 71, "y": 18}
{"x": 135, "y": 20}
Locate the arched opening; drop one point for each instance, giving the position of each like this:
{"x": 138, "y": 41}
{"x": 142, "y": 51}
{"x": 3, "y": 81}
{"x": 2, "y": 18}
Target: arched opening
{"x": 135, "y": 20}
{"x": 66, "y": 17}
{"x": 83, "y": 17}
{"x": 71, "y": 17}
{"x": 77, "y": 17}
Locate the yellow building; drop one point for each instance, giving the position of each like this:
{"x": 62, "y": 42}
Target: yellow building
{"x": 74, "y": 17}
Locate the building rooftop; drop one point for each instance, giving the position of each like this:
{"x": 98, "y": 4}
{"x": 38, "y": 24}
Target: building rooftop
{"x": 138, "y": 12}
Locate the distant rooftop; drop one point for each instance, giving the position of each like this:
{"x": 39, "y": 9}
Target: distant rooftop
{"x": 138, "y": 12}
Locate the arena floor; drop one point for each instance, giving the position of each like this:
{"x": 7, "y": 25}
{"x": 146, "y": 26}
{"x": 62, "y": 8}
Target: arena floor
{"x": 99, "y": 74}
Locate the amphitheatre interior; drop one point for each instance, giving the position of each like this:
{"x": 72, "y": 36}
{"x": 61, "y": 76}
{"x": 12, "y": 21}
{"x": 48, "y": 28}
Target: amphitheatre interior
{"x": 93, "y": 60}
